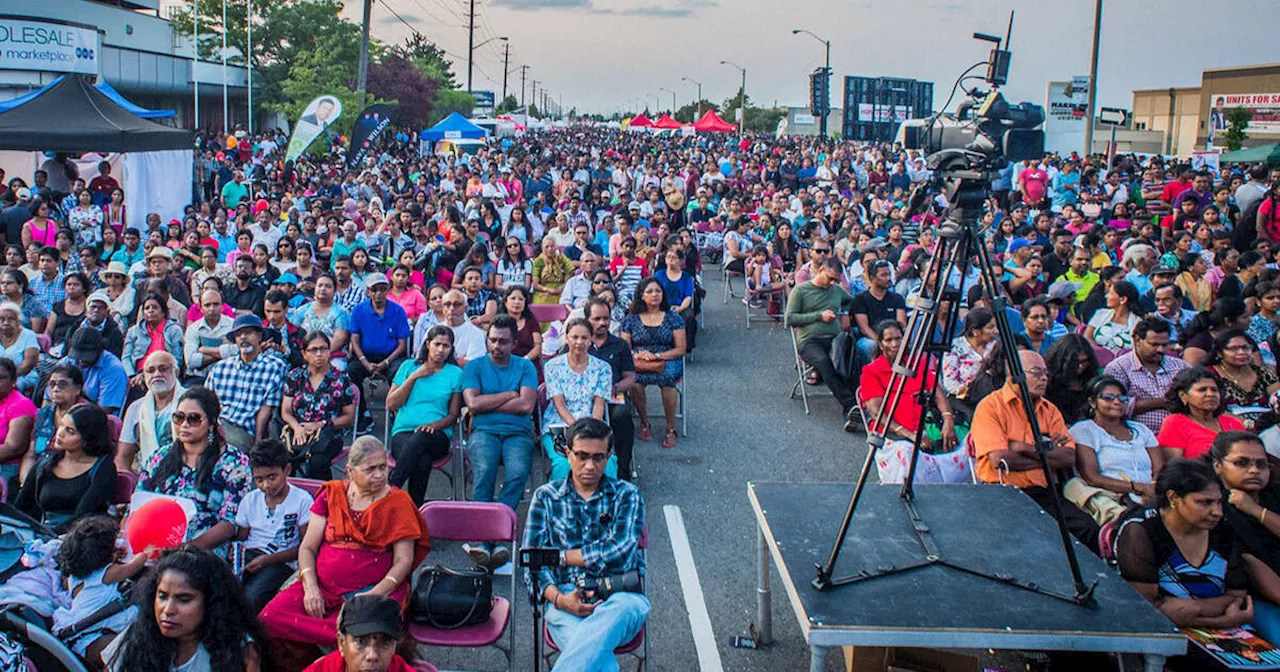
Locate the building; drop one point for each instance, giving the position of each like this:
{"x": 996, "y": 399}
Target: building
{"x": 801, "y": 121}
{"x": 129, "y": 44}
{"x": 1192, "y": 117}
{"x": 875, "y": 106}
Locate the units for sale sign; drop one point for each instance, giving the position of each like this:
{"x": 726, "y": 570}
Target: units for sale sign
{"x": 1264, "y": 106}
{"x": 48, "y": 46}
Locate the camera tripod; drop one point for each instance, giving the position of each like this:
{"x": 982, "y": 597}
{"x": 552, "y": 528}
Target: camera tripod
{"x": 959, "y": 242}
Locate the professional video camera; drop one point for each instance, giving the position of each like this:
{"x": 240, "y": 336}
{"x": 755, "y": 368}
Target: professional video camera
{"x": 990, "y": 128}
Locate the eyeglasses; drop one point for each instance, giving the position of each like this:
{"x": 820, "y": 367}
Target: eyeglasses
{"x": 189, "y": 419}
{"x": 821, "y": 250}
{"x": 1244, "y": 463}
{"x": 597, "y": 458}
{"x": 1238, "y": 348}
{"x": 1108, "y": 396}
{"x": 513, "y": 246}
{"x": 1037, "y": 373}
{"x": 453, "y": 303}
{"x": 59, "y": 384}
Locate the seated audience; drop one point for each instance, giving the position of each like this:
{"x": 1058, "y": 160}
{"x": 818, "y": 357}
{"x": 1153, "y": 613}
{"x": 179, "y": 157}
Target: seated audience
{"x": 19, "y": 345}
{"x": 1197, "y": 414}
{"x": 1111, "y": 328}
{"x": 76, "y": 476}
{"x": 64, "y": 386}
{"x": 1246, "y": 385}
{"x": 1196, "y": 339}
{"x": 17, "y": 417}
{"x": 656, "y": 335}
{"x": 977, "y": 342}
{"x": 1072, "y": 363}
{"x": 369, "y": 630}
{"x": 1242, "y": 464}
{"x": 426, "y": 398}
{"x": 271, "y": 521}
{"x": 1117, "y": 458}
{"x": 907, "y": 415}
{"x": 515, "y": 302}
{"x": 577, "y": 386}
{"x": 155, "y": 332}
{"x": 148, "y": 423}
{"x": 317, "y": 404}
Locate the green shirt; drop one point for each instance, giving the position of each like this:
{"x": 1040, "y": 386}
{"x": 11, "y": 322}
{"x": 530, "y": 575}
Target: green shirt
{"x": 1084, "y": 283}
{"x": 805, "y": 307}
{"x": 233, "y": 192}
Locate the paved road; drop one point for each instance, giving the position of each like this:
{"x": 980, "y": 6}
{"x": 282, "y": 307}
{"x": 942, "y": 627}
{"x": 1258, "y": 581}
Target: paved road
{"x": 742, "y": 427}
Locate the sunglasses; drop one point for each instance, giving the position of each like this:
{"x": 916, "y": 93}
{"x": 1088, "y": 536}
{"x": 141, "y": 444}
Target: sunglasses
{"x": 1108, "y": 396}
{"x": 189, "y": 419}
{"x": 598, "y": 458}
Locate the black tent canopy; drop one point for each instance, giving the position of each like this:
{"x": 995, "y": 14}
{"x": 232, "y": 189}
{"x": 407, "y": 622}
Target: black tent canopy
{"x": 73, "y": 116}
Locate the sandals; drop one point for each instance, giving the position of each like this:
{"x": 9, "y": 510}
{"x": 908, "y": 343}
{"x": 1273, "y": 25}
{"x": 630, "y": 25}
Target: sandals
{"x": 644, "y": 432}
{"x": 670, "y": 440}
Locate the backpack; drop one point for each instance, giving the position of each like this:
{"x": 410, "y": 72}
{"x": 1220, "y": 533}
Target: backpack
{"x": 1246, "y": 229}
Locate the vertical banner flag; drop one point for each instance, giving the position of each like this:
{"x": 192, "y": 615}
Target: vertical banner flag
{"x": 369, "y": 127}
{"x": 319, "y": 115}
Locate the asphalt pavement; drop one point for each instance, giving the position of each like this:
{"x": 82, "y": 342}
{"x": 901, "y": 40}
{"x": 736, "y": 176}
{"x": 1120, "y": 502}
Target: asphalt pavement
{"x": 742, "y": 427}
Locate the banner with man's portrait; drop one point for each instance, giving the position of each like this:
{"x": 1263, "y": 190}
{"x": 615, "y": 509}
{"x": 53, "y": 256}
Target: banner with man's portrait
{"x": 315, "y": 120}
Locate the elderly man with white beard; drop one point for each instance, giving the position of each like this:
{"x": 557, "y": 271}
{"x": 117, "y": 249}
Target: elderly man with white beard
{"x": 147, "y": 423}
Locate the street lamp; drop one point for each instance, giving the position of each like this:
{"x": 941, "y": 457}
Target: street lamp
{"x": 688, "y": 79}
{"x": 826, "y": 78}
{"x": 673, "y": 98}
{"x": 656, "y": 100}
{"x": 742, "y": 104}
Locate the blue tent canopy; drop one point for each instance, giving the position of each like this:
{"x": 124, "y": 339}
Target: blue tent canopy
{"x": 453, "y": 126}
{"x": 104, "y": 87}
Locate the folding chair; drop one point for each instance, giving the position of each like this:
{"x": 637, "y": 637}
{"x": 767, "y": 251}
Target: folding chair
{"x": 638, "y": 646}
{"x": 681, "y": 411}
{"x": 311, "y": 485}
{"x": 776, "y": 295}
{"x": 802, "y": 371}
{"x": 727, "y": 276}
{"x": 546, "y": 313}
{"x": 122, "y": 491}
{"x": 473, "y": 521}
{"x": 439, "y": 465}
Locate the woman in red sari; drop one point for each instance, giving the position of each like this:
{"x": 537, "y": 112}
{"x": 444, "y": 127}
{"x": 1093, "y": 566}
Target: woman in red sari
{"x": 364, "y": 537}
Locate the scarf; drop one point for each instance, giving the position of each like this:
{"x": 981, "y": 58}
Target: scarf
{"x": 388, "y": 520}
{"x": 150, "y": 432}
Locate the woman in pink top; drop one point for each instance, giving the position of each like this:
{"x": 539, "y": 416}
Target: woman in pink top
{"x": 17, "y": 418}
{"x": 406, "y": 295}
{"x": 39, "y": 229}
{"x": 1197, "y": 414}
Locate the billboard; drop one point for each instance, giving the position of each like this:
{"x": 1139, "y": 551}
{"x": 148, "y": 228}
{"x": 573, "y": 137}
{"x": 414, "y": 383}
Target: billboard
{"x": 884, "y": 113}
{"x": 316, "y": 119}
{"x": 1066, "y": 107}
{"x": 48, "y": 46}
{"x": 484, "y": 102}
{"x": 1264, "y": 106}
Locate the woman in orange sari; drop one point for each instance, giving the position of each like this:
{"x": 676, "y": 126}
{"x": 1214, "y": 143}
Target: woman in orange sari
{"x": 364, "y": 537}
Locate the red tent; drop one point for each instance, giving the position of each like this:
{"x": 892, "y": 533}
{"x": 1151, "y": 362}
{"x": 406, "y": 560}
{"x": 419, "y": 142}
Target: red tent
{"x": 666, "y": 122}
{"x": 641, "y": 121}
{"x": 712, "y": 122}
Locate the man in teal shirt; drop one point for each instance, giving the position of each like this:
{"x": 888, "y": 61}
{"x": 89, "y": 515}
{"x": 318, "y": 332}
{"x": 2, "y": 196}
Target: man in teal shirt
{"x": 234, "y": 191}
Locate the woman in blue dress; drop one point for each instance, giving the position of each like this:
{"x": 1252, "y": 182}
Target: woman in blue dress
{"x": 656, "y": 334}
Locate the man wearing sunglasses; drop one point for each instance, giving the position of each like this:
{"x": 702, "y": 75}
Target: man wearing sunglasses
{"x": 585, "y": 628}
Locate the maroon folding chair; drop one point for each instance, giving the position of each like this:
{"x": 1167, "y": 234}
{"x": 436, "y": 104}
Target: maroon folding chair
{"x": 311, "y": 485}
{"x": 114, "y": 426}
{"x": 546, "y": 313}
{"x": 122, "y": 491}
{"x": 473, "y": 521}
{"x": 638, "y": 646}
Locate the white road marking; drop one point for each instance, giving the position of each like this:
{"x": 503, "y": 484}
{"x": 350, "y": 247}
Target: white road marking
{"x": 704, "y": 639}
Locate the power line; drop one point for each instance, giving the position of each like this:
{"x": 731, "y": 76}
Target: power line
{"x": 415, "y": 30}
{"x": 435, "y": 18}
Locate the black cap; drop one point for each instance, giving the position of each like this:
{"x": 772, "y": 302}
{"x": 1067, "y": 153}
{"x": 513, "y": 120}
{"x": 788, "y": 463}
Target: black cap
{"x": 368, "y": 615}
{"x": 87, "y": 345}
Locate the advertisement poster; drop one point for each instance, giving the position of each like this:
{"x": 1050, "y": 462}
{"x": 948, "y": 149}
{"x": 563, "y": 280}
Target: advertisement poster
{"x": 48, "y": 46}
{"x": 368, "y": 128}
{"x": 319, "y": 115}
{"x": 1264, "y": 106}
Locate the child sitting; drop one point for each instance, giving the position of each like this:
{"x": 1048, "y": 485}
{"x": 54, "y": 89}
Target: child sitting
{"x": 90, "y": 573}
{"x": 272, "y": 520}
{"x": 763, "y": 280}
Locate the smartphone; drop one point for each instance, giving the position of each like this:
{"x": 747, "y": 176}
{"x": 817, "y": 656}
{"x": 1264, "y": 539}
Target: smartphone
{"x": 539, "y": 557}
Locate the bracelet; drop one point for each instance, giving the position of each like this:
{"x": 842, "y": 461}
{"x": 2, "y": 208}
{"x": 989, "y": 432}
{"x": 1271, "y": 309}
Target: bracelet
{"x": 302, "y": 571}
{"x": 555, "y": 600}
{"x": 1263, "y": 517}
{"x": 394, "y": 583}
{"x": 948, "y": 414}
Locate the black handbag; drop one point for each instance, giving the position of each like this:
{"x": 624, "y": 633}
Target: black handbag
{"x": 447, "y": 598}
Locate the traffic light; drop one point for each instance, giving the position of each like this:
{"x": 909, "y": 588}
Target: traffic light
{"x": 819, "y": 92}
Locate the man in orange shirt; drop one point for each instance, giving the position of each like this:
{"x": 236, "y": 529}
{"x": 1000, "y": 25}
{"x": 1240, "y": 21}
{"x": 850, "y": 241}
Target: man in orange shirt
{"x": 1001, "y": 433}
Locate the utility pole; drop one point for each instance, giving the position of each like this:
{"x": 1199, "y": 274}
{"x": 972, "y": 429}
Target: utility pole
{"x": 524, "y": 70}
{"x": 826, "y": 81}
{"x": 225, "y": 108}
{"x": 364, "y": 52}
{"x": 533, "y": 95}
{"x": 1093, "y": 80}
{"x": 471, "y": 41}
{"x": 195, "y": 57}
{"x": 506, "y": 63}
{"x": 687, "y": 79}
{"x": 248, "y": 57}
{"x": 742, "y": 104}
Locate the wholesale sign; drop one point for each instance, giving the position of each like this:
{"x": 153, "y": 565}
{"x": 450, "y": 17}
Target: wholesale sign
{"x": 48, "y": 46}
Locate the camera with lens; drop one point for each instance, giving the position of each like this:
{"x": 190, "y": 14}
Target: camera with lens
{"x": 599, "y": 589}
{"x": 992, "y": 130}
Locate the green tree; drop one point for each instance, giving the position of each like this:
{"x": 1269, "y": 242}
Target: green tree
{"x": 1238, "y": 119}
{"x": 317, "y": 72}
{"x": 690, "y": 112}
{"x": 449, "y": 101}
{"x": 210, "y": 13}
{"x": 508, "y": 104}
{"x": 430, "y": 60}
{"x": 533, "y": 111}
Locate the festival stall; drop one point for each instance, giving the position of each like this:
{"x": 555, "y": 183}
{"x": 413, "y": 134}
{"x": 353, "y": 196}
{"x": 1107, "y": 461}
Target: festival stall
{"x": 712, "y": 123}
{"x": 640, "y": 123}
{"x": 453, "y": 127}
{"x": 666, "y": 123}
{"x": 154, "y": 165}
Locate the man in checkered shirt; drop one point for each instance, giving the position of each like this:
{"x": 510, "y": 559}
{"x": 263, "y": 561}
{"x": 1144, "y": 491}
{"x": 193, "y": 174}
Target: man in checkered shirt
{"x": 249, "y": 386}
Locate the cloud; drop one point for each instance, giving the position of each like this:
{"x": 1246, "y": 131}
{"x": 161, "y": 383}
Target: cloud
{"x": 673, "y": 9}
{"x": 391, "y": 20}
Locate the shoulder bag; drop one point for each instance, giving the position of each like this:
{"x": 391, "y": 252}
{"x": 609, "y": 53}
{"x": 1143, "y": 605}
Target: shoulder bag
{"x": 447, "y": 598}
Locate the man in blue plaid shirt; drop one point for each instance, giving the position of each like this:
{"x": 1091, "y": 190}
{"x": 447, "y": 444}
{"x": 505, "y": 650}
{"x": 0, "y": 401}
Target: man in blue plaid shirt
{"x": 248, "y": 385}
{"x": 47, "y": 285}
{"x": 596, "y": 522}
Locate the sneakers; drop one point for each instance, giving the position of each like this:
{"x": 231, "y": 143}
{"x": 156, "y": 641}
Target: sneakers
{"x": 500, "y": 556}
{"x": 852, "y": 419}
{"x": 479, "y": 553}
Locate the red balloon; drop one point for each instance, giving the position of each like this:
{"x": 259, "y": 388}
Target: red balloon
{"x": 160, "y": 522}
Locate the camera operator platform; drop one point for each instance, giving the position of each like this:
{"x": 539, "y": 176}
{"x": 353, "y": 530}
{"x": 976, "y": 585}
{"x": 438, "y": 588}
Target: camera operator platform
{"x": 949, "y": 566}
{"x": 582, "y": 556}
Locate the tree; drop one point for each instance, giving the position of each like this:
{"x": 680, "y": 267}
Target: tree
{"x": 449, "y": 101}
{"x": 316, "y": 73}
{"x": 508, "y": 104}
{"x": 396, "y": 78}
{"x": 533, "y": 111}
{"x": 1238, "y": 119}
{"x": 689, "y": 113}
{"x": 430, "y": 60}
{"x": 211, "y": 28}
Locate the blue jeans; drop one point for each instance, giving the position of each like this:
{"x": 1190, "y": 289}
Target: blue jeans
{"x": 487, "y": 450}
{"x": 866, "y": 350}
{"x": 587, "y": 644}
{"x": 1266, "y": 619}
{"x": 560, "y": 463}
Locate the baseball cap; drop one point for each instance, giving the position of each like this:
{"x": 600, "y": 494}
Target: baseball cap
{"x": 249, "y": 321}
{"x": 1018, "y": 244}
{"x": 287, "y": 279}
{"x": 22, "y": 194}
{"x": 370, "y": 614}
{"x": 86, "y": 346}
{"x": 375, "y": 279}
{"x": 99, "y": 296}
{"x": 260, "y": 205}
{"x": 1163, "y": 269}
{"x": 1062, "y": 289}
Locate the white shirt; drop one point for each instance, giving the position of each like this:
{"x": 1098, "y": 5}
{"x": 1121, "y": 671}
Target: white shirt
{"x": 278, "y": 529}
{"x": 469, "y": 341}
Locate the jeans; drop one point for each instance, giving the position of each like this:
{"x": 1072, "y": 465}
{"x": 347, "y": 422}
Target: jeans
{"x": 560, "y": 463}
{"x": 816, "y": 352}
{"x": 624, "y": 437}
{"x": 489, "y": 449}
{"x": 587, "y": 644}
{"x": 414, "y": 453}
{"x": 358, "y": 374}
{"x": 1266, "y": 619}
{"x": 262, "y": 585}
{"x": 866, "y": 350}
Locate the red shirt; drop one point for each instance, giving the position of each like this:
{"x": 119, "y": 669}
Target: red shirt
{"x": 1173, "y": 190}
{"x": 875, "y": 385}
{"x": 1033, "y": 184}
{"x": 1192, "y": 438}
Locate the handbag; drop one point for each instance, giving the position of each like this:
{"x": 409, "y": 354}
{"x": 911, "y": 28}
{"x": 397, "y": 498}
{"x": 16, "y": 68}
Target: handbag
{"x": 447, "y": 598}
{"x": 650, "y": 365}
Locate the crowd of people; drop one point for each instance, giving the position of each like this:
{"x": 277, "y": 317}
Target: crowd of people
{"x": 1144, "y": 297}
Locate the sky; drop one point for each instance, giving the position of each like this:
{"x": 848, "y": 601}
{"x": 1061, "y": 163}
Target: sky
{"x": 603, "y": 55}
